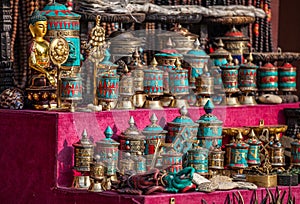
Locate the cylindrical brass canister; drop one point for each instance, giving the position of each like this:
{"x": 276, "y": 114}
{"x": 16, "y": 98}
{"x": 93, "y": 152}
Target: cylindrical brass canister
{"x": 247, "y": 77}
{"x": 137, "y": 71}
{"x": 198, "y": 159}
{"x": 65, "y": 23}
{"x": 216, "y": 159}
{"x": 153, "y": 134}
{"x": 277, "y": 157}
{"x": 204, "y": 85}
{"x": 107, "y": 149}
{"x": 178, "y": 82}
{"x": 287, "y": 77}
{"x": 131, "y": 140}
{"x": 210, "y": 128}
{"x": 267, "y": 77}
{"x": 71, "y": 88}
{"x": 295, "y": 153}
{"x": 127, "y": 164}
{"x": 126, "y": 85}
{"x": 108, "y": 87}
{"x": 172, "y": 161}
{"x": 153, "y": 81}
{"x": 83, "y": 153}
{"x": 98, "y": 170}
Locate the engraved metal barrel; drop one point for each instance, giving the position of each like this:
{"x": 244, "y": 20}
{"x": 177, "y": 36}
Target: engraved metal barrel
{"x": 108, "y": 87}
{"x": 238, "y": 157}
{"x": 247, "y": 77}
{"x": 230, "y": 78}
{"x": 209, "y": 129}
{"x": 277, "y": 157}
{"x": 287, "y": 77}
{"x": 178, "y": 82}
{"x": 172, "y": 161}
{"x": 65, "y": 23}
{"x": 83, "y": 153}
{"x": 216, "y": 159}
{"x": 198, "y": 159}
{"x": 71, "y": 88}
{"x": 107, "y": 148}
{"x": 267, "y": 78}
{"x": 153, "y": 82}
{"x": 204, "y": 85}
{"x": 295, "y": 153}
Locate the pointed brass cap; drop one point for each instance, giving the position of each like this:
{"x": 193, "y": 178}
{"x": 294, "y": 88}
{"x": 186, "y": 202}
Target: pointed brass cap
{"x": 252, "y": 134}
{"x": 250, "y": 57}
{"x": 131, "y": 121}
{"x": 230, "y": 59}
{"x": 220, "y": 44}
{"x": 196, "y": 44}
{"x": 178, "y": 64}
{"x": 154, "y": 63}
{"x": 169, "y": 43}
{"x": 153, "y": 119}
{"x": 84, "y": 139}
{"x": 183, "y": 111}
{"x": 136, "y": 54}
{"x": 239, "y": 137}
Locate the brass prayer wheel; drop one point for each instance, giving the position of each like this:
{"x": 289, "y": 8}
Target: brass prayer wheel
{"x": 126, "y": 165}
{"x": 107, "y": 148}
{"x": 83, "y": 153}
{"x": 216, "y": 159}
{"x": 132, "y": 140}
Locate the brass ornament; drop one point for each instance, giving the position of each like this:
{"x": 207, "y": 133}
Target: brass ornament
{"x": 59, "y": 53}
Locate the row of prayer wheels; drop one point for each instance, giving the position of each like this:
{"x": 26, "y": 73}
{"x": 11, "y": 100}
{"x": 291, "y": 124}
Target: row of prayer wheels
{"x": 186, "y": 143}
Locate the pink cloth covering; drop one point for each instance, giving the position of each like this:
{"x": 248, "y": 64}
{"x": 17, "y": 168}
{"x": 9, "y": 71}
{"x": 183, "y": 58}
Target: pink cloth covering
{"x": 37, "y": 153}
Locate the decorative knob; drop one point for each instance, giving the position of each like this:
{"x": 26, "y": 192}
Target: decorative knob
{"x": 131, "y": 121}
{"x": 108, "y": 132}
{"x": 153, "y": 119}
{"x": 183, "y": 111}
{"x": 196, "y": 44}
{"x": 84, "y": 139}
{"x": 154, "y": 63}
{"x": 209, "y": 107}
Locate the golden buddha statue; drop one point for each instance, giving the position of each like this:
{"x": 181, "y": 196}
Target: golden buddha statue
{"x": 39, "y": 58}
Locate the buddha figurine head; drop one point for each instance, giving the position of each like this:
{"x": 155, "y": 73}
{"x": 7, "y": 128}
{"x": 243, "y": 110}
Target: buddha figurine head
{"x": 38, "y": 25}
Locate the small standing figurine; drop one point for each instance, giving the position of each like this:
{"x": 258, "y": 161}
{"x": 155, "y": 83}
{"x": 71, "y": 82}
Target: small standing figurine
{"x": 39, "y": 58}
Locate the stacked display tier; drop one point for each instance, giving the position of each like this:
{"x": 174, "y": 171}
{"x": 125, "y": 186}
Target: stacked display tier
{"x": 36, "y": 151}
